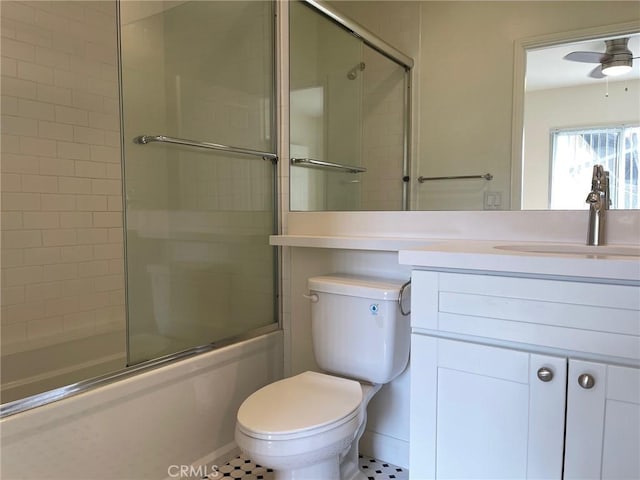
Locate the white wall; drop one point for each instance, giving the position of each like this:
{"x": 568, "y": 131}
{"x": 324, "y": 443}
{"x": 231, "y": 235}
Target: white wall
{"x": 575, "y": 107}
{"x": 466, "y": 88}
{"x": 463, "y": 82}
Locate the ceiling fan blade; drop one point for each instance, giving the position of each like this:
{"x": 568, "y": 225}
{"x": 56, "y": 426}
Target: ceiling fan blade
{"x": 586, "y": 57}
{"x": 597, "y": 72}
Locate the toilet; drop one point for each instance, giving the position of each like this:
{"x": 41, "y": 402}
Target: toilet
{"x": 307, "y": 427}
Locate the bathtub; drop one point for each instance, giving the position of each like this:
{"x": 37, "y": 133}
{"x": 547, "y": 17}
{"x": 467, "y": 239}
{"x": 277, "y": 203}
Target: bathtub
{"x": 143, "y": 426}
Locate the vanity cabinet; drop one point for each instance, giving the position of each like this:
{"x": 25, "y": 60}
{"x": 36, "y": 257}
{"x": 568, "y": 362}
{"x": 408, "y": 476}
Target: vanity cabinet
{"x": 603, "y": 422}
{"x": 523, "y": 378}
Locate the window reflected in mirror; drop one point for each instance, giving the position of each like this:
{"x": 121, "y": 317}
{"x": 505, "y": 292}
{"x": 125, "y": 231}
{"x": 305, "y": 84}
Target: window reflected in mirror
{"x": 578, "y": 114}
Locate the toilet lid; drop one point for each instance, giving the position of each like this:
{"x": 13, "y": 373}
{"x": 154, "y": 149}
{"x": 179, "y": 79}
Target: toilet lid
{"x": 305, "y": 402}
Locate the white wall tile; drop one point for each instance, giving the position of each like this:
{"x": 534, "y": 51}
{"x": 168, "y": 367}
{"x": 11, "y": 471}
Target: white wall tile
{"x": 74, "y": 185}
{"x": 93, "y": 136}
{"x": 35, "y": 72}
{"x": 37, "y": 146}
{"x": 54, "y": 94}
{"x": 18, "y": 125}
{"x": 59, "y": 237}
{"x": 18, "y": 87}
{"x": 75, "y": 219}
{"x": 40, "y": 220}
{"x": 75, "y": 151}
{"x": 58, "y": 202}
{"x": 11, "y": 182}
{"x": 41, "y": 256}
{"x": 19, "y": 163}
{"x": 13, "y": 201}
{"x": 55, "y": 131}
{"x": 18, "y": 11}
{"x": 39, "y": 183}
{"x": 18, "y": 50}
{"x": 21, "y": 239}
{"x": 56, "y": 166}
{"x": 12, "y": 220}
{"x": 52, "y": 58}
{"x": 34, "y": 109}
{"x": 73, "y": 116}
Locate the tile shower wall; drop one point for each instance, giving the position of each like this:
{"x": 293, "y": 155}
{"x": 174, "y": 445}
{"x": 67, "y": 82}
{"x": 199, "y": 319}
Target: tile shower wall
{"x": 383, "y": 132}
{"x": 62, "y": 260}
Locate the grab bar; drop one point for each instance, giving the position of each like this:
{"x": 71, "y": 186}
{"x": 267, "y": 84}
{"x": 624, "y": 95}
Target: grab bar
{"x": 486, "y": 176}
{"x": 310, "y": 162}
{"x": 144, "y": 139}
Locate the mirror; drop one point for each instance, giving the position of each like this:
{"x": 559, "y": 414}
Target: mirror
{"x": 577, "y": 117}
{"x": 347, "y": 119}
{"x": 465, "y": 110}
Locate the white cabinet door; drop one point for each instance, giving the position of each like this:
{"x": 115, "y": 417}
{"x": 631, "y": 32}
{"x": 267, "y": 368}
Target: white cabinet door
{"x": 603, "y": 422}
{"x": 491, "y": 417}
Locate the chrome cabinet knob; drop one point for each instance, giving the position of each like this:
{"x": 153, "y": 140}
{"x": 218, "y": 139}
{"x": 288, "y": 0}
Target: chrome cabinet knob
{"x": 545, "y": 374}
{"x": 586, "y": 381}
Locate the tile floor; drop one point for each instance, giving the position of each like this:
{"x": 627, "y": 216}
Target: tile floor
{"x": 374, "y": 469}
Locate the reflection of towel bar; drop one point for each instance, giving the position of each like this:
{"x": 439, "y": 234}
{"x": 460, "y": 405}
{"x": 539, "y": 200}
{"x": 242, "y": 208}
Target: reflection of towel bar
{"x": 144, "y": 139}
{"x": 310, "y": 162}
{"x": 486, "y": 176}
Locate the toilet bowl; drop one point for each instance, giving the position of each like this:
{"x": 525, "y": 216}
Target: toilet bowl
{"x": 307, "y": 427}
{"x": 303, "y": 427}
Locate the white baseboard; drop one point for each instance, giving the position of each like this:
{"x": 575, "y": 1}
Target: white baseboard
{"x": 384, "y": 447}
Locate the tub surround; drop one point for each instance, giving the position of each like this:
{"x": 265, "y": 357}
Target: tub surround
{"x": 140, "y": 426}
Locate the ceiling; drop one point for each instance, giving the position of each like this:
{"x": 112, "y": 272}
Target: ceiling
{"x": 546, "y": 67}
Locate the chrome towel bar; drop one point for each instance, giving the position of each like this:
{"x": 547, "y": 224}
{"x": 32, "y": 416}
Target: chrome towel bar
{"x": 310, "y": 162}
{"x": 144, "y": 139}
{"x": 486, "y": 176}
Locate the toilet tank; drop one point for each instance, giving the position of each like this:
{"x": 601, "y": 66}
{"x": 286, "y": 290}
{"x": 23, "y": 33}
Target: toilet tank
{"x": 357, "y": 327}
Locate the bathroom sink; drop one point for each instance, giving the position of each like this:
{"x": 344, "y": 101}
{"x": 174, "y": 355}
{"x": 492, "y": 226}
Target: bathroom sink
{"x": 582, "y": 250}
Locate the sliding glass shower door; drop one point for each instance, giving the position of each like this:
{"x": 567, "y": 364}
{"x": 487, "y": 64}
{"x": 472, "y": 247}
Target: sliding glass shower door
{"x": 349, "y": 118}
{"x": 198, "y": 83}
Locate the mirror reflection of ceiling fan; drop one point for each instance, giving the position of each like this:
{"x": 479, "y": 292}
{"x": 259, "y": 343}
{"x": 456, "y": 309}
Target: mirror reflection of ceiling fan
{"x": 616, "y": 60}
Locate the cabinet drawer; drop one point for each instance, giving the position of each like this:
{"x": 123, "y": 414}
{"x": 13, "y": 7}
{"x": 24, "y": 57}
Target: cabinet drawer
{"x": 597, "y": 318}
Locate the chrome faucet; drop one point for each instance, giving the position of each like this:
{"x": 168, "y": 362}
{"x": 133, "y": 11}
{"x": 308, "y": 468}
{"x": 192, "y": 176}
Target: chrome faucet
{"x": 598, "y": 200}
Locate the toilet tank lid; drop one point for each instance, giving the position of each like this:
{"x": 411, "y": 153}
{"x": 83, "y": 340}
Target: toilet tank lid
{"x": 357, "y": 286}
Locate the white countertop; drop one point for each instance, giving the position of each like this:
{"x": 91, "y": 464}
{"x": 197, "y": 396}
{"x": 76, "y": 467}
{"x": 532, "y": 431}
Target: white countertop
{"x": 487, "y": 255}
{"x": 351, "y": 242}
{"x": 503, "y": 256}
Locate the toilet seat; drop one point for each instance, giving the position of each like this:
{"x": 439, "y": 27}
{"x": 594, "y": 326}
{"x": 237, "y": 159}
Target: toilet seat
{"x": 300, "y": 406}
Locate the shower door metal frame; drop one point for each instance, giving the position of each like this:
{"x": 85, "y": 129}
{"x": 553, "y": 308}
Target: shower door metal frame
{"x": 379, "y": 45}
